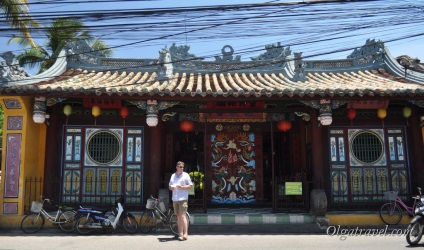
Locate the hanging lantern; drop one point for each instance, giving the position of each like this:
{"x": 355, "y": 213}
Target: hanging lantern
{"x": 67, "y": 110}
{"x": 95, "y": 111}
{"x": 406, "y": 112}
{"x": 187, "y": 126}
{"x": 284, "y": 125}
{"x": 382, "y": 113}
{"x": 351, "y": 113}
{"x": 124, "y": 112}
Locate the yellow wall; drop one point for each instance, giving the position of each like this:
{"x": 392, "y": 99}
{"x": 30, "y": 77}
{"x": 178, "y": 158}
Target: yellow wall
{"x": 32, "y": 156}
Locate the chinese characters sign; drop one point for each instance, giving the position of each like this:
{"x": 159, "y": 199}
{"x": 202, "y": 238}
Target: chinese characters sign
{"x": 13, "y": 158}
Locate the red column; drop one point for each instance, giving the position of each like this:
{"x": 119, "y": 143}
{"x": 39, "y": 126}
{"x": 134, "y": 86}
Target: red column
{"x": 317, "y": 150}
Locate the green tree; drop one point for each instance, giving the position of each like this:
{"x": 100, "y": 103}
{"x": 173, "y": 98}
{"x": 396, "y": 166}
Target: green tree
{"x": 57, "y": 33}
{"x": 16, "y": 13}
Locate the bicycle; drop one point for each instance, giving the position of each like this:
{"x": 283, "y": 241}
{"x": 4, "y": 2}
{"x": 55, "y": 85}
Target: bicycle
{"x": 391, "y": 213}
{"x": 155, "y": 212}
{"x": 32, "y": 223}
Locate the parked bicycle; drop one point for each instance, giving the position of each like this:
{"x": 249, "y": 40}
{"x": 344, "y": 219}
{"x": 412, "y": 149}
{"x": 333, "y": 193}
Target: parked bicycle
{"x": 64, "y": 217}
{"x": 391, "y": 213}
{"x": 156, "y": 216}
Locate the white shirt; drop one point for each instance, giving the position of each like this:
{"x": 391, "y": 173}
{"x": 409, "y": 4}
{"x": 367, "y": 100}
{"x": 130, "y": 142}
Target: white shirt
{"x": 179, "y": 194}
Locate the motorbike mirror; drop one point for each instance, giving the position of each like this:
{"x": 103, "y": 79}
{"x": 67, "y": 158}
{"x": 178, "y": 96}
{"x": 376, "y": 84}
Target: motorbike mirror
{"x": 119, "y": 200}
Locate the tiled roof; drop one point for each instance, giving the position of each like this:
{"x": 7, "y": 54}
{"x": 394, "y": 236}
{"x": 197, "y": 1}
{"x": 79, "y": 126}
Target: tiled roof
{"x": 359, "y": 83}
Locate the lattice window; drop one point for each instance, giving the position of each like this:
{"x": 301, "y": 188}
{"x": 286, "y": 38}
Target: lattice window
{"x": 367, "y": 147}
{"x": 104, "y": 147}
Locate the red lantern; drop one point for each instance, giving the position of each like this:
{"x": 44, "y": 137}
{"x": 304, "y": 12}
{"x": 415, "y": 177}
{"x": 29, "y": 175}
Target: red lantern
{"x": 351, "y": 113}
{"x": 124, "y": 112}
{"x": 284, "y": 125}
{"x": 187, "y": 126}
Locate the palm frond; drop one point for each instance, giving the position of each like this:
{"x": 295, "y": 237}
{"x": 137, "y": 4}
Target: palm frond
{"x": 16, "y": 13}
{"x": 32, "y": 57}
{"x": 102, "y": 47}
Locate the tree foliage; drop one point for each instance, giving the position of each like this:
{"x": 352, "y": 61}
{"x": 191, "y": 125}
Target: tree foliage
{"x": 16, "y": 13}
{"x": 61, "y": 30}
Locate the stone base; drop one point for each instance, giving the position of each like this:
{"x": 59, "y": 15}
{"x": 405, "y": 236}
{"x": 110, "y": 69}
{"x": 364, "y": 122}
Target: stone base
{"x": 322, "y": 222}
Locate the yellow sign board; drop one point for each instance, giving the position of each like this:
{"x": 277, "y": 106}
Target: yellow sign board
{"x": 293, "y": 188}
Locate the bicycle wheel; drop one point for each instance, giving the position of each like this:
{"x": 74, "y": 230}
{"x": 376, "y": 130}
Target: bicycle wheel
{"x": 82, "y": 225}
{"x": 391, "y": 213}
{"x": 130, "y": 224}
{"x": 173, "y": 223}
{"x": 67, "y": 221}
{"x": 147, "y": 222}
{"x": 32, "y": 223}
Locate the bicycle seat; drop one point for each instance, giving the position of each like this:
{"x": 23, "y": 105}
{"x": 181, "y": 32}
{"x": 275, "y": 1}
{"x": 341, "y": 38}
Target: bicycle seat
{"x": 92, "y": 208}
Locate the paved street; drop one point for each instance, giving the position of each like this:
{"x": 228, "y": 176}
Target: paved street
{"x": 57, "y": 240}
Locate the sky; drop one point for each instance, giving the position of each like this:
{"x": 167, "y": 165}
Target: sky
{"x": 319, "y": 30}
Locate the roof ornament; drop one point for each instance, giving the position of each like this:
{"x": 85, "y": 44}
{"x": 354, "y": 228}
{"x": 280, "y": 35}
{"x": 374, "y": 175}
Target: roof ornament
{"x": 325, "y": 108}
{"x": 54, "y": 100}
{"x": 409, "y": 63}
{"x": 299, "y": 67}
{"x": 273, "y": 52}
{"x": 305, "y": 116}
{"x": 167, "y": 116}
{"x": 227, "y": 55}
{"x": 181, "y": 58}
{"x": 181, "y": 52}
{"x": 369, "y": 53}
{"x": 165, "y": 64}
{"x": 81, "y": 53}
{"x": 10, "y": 70}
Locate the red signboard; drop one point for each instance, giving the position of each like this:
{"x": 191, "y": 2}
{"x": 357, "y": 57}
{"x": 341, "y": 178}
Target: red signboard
{"x": 246, "y": 104}
{"x": 103, "y": 103}
{"x": 368, "y": 104}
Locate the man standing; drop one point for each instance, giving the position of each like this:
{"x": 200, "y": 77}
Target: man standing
{"x": 180, "y": 184}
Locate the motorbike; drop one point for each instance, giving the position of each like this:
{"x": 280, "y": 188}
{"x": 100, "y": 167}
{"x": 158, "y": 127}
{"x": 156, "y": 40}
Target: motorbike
{"x": 89, "y": 219}
{"x": 414, "y": 232}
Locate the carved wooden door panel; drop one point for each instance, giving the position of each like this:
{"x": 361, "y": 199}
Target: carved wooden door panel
{"x": 233, "y": 168}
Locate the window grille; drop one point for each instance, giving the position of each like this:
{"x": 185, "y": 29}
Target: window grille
{"x": 367, "y": 147}
{"x": 104, "y": 147}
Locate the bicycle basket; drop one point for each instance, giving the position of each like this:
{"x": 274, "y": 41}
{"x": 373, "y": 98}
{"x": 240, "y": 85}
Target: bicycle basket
{"x": 150, "y": 203}
{"x": 390, "y": 195}
{"x": 36, "y": 206}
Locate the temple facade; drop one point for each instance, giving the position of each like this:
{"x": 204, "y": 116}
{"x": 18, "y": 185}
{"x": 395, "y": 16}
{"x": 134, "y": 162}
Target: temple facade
{"x": 260, "y": 132}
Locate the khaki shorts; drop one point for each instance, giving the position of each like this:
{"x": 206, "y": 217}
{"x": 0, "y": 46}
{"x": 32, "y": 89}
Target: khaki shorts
{"x": 180, "y": 207}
